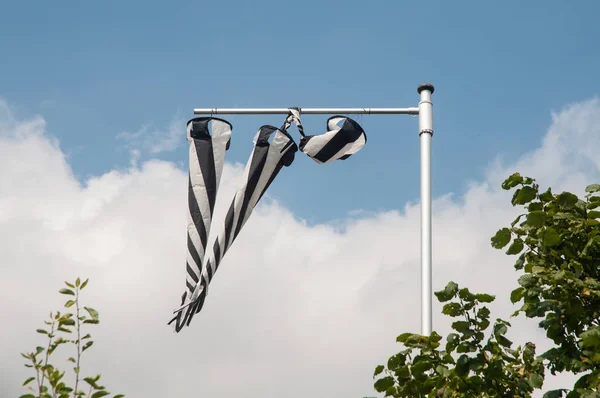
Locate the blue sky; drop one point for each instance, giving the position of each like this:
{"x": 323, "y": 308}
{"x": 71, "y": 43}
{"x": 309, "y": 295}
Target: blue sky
{"x": 95, "y": 70}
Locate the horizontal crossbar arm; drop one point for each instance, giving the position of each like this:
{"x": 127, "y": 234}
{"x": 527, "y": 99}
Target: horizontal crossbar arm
{"x": 307, "y": 111}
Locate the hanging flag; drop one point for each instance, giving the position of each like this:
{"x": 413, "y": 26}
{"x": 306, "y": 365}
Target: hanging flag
{"x": 344, "y": 137}
{"x": 264, "y": 164}
{"x": 208, "y": 139}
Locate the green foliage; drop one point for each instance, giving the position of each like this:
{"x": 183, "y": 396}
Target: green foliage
{"x": 468, "y": 365}
{"x": 557, "y": 244}
{"x": 560, "y": 260}
{"x": 48, "y": 381}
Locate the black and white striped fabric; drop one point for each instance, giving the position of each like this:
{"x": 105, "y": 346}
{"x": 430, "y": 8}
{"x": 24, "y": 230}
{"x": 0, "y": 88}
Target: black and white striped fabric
{"x": 209, "y": 138}
{"x": 344, "y": 137}
{"x": 265, "y": 162}
{"x": 274, "y": 149}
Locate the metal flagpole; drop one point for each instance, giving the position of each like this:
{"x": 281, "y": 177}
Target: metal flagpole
{"x": 425, "y": 112}
{"x": 425, "y": 134}
{"x": 307, "y": 111}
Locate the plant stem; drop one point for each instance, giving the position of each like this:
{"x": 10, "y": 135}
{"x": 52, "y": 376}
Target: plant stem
{"x": 78, "y": 342}
{"x": 37, "y": 373}
{"x": 47, "y": 353}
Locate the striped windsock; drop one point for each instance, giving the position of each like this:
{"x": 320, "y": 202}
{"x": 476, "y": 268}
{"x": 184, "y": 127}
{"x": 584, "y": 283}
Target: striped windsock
{"x": 208, "y": 139}
{"x": 344, "y": 137}
{"x": 264, "y": 164}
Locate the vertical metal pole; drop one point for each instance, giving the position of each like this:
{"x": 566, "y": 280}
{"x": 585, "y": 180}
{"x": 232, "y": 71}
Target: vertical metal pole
{"x": 425, "y": 134}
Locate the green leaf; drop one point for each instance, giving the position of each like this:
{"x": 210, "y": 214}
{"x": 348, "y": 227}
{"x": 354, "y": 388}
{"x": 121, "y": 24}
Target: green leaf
{"x": 93, "y": 313}
{"x": 39, "y": 350}
{"x": 593, "y": 188}
{"x": 29, "y": 380}
{"x": 567, "y": 200}
{"x": 119, "y": 396}
{"x": 594, "y": 214}
{"x": 526, "y": 280}
{"x": 380, "y": 385}
{"x": 66, "y": 291}
{"x": 402, "y": 372}
{"x": 524, "y": 195}
{"x": 463, "y": 361}
{"x": 517, "y": 294}
{"x": 448, "y": 293}
{"x": 592, "y": 205}
{"x": 467, "y": 296}
{"x": 536, "y": 218}
{"x": 547, "y": 196}
{"x": 396, "y": 361}
{"x": 581, "y": 383}
{"x": 483, "y": 313}
{"x": 452, "y": 338}
{"x": 84, "y": 284}
{"x": 534, "y": 206}
{"x": 520, "y": 262}
{"x": 418, "y": 369}
{"x": 27, "y": 396}
{"x": 476, "y": 364}
{"x": 452, "y": 309}
{"x": 485, "y": 298}
{"x": 536, "y": 380}
{"x": 554, "y": 393}
{"x": 500, "y": 329}
{"x": 551, "y": 237}
{"x": 87, "y": 345}
{"x": 503, "y": 341}
{"x": 77, "y": 282}
{"x": 435, "y": 337}
{"x": 484, "y": 324}
{"x": 91, "y": 381}
{"x": 68, "y": 322}
{"x": 501, "y": 238}
{"x": 461, "y": 326}
{"x": 516, "y": 247}
{"x": 465, "y": 347}
{"x": 536, "y": 269}
{"x": 69, "y": 304}
{"x": 590, "y": 338}
{"x": 512, "y": 224}
{"x": 442, "y": 370}
{"x": 100, "y": 393}
{"x": 512, "y": 181}
{"x": 92, "y": 321}
{"x": 42, "y": 331}
{"x": 403, "y": 337}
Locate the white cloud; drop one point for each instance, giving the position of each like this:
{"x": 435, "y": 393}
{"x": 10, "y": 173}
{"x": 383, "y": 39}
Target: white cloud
{"x": 295, "y": 310}
{"x": 153, "y": 140}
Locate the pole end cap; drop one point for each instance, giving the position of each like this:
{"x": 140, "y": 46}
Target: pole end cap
{"x": 425, "y": 86}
